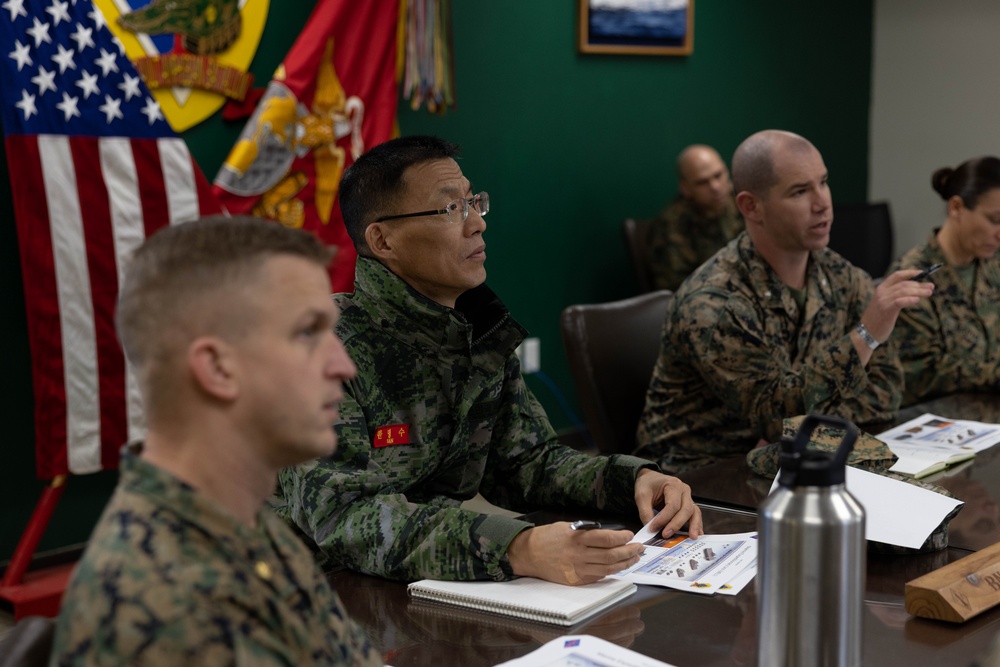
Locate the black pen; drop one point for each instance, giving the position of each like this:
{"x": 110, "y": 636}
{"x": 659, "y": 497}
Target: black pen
{"x": 585, "y": 525}
{"x": 926, "y": 272}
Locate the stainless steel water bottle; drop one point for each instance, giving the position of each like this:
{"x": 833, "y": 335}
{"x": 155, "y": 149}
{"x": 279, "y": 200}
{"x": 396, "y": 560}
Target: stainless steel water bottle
{"x": 811, "y": 558}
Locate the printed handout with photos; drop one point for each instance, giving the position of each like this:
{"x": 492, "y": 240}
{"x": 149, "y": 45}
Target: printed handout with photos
{"x": 709, "y": 564}
{"x": 930, "y": 439}
{"x": 583, "y": 651}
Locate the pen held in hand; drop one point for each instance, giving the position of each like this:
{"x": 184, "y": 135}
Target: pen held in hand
{"x": 926, "y": 272}
{"x": 585, "y": 525}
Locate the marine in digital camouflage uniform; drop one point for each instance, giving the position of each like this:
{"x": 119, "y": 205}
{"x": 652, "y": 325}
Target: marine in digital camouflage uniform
{"x": 439, "y": 411}
{"x": 701, "y": 220}
{"x": 169, "y": 579}
{"x": 682, "y": 238}
{"x": 950, "y": 342}
{"x": 739, "y": 354}
{"x": 446, "y": 386}
{"x": 775, "y": 324}
{"x": 229, "y": 325}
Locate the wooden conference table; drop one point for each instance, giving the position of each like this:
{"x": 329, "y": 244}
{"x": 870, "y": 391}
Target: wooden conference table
{"x": 687, "y": 629}
{"x": 681, "y": 628}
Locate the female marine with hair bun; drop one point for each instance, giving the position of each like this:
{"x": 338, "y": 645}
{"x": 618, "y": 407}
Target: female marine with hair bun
{"x": 951, "y": 342}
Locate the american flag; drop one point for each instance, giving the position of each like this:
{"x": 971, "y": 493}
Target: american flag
{"x": 94, "y": 169}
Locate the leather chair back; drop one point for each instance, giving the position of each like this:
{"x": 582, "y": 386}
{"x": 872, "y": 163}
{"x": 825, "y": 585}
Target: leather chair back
{"x": 862, "y": 233}
{"x": 612, "y": 349}
{"x": 28, "y": 644}
{"x": 635, "y": 233}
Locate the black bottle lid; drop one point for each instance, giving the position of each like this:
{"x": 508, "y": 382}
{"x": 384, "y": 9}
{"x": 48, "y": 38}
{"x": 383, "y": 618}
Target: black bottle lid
{"x": 802, "y": 466}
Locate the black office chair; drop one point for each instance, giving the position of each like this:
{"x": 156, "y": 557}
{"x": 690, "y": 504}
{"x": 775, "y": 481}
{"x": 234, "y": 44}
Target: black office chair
{"x": 28, "y": 644}
{"x": 612, "y": 349}
{"x": 862, "y": 233}
{"x": 635, "y": 233}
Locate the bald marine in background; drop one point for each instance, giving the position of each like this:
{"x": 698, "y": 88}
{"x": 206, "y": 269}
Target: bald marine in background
{"x": 702, "y": 218}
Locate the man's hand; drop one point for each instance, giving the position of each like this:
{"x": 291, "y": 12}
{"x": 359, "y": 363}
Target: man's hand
{"x": 672, "y": 497}
{"x": 555, "y": 552}
{"x": 896, "y": 292}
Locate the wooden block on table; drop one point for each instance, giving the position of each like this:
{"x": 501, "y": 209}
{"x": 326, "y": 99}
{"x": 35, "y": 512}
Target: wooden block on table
{"x": 958, "y": 591}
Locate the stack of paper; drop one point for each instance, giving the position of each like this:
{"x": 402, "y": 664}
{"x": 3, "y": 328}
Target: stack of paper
{"x": 931, "y": 443}
{"x": 709, "y": 564}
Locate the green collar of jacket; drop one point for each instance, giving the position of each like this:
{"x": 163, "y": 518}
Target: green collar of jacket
{"x": 479, "y": 322}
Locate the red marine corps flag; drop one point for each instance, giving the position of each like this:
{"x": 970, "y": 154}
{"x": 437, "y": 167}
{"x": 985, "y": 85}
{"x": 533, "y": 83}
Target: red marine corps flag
{"x": 333, "y": 97}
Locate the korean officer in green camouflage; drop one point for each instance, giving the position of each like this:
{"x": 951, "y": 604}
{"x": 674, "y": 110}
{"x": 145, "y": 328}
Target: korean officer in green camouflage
{"x": 228, "y": 324}
{"x": 951, "y": 342}
{"x": 701, "y": 220}
{"x": 775, "y": 324}
{"x": 439, "y": 410}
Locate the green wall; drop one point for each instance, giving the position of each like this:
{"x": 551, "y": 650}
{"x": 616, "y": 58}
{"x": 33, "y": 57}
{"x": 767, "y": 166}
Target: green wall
{"x": 568, "y": 145}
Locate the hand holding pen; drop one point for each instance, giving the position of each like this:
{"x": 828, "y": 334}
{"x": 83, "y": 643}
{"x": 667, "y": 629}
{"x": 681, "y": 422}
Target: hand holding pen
{"x": 585, "y": 525}
{"x": 926, "y": 272}
{"x": 579, "y": 552}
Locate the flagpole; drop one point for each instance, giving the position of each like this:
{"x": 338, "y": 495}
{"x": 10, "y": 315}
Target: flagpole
{"x": 39, "y": 521}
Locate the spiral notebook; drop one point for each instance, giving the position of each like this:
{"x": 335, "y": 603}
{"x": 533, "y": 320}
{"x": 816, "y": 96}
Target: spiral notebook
{"x": 527, "y": 598}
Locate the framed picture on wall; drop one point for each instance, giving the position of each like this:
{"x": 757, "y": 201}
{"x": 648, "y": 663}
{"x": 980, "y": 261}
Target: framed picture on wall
{"x": 638, "y": 27}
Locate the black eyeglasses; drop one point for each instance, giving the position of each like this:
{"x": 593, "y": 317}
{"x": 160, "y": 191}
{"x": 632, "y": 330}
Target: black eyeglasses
{"x": 457, "y": 209}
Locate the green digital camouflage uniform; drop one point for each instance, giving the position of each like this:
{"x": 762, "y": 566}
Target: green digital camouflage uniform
{"x": 451, "y": 378}
{"x": 170, "y": 579}
{"x": 682, "y": 238}
{"x": 737, "y": 357}
{"x": 950, "y": 342}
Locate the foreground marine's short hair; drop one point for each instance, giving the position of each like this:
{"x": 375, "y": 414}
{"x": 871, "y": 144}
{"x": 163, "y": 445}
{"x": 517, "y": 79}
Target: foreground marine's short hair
{"x": 162, "y": 300}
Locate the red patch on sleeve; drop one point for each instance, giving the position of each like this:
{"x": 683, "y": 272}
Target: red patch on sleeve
{"x": 393, "y": 434}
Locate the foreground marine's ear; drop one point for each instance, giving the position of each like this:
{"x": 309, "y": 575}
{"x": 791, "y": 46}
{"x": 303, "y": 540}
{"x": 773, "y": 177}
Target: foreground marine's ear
{"x": 213, "y": 367}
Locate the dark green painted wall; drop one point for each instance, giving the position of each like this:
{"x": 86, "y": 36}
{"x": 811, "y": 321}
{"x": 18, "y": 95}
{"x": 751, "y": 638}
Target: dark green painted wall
{"x": 568, "y": 145}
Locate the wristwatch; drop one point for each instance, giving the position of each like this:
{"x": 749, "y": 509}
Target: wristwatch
{"x": 866, "y": 336}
